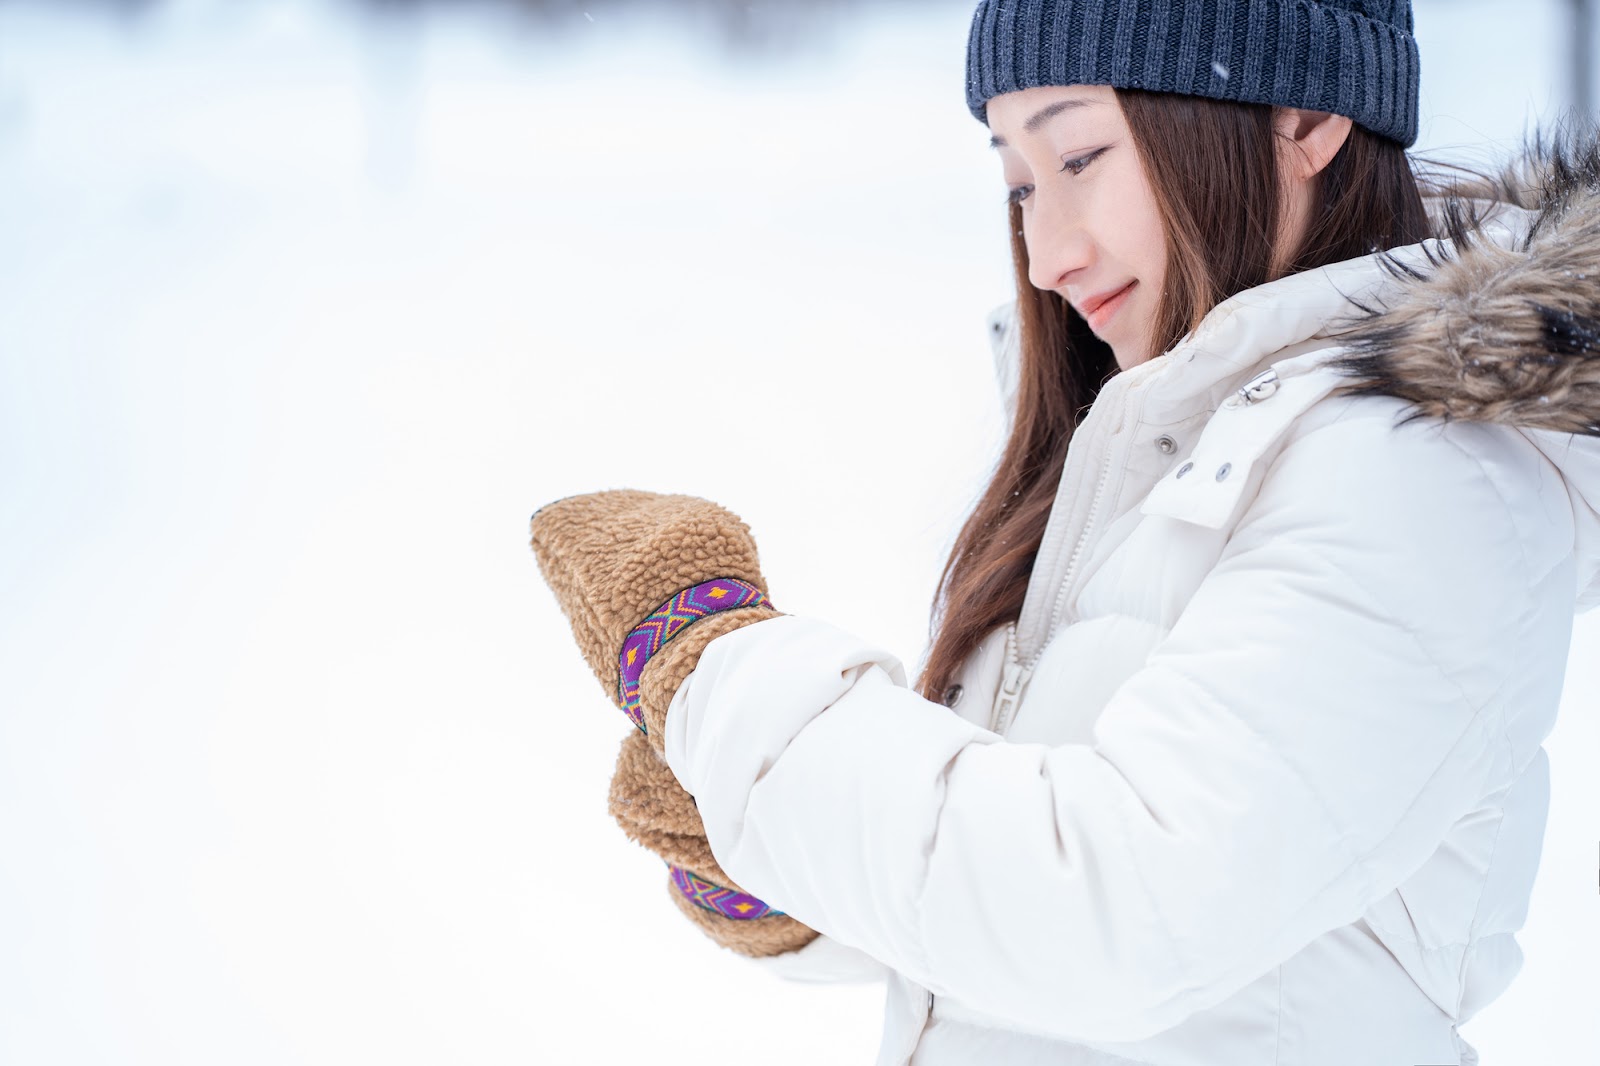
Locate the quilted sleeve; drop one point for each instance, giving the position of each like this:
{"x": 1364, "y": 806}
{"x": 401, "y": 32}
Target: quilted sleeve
{"x": 1328, "y": 704}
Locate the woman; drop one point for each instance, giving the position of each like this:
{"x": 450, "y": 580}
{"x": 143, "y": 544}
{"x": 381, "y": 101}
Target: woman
{"x": 1253, "y": 640}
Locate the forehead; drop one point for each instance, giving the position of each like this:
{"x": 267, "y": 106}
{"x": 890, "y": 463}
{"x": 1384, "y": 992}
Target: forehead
{"x": 1027, "y": 112}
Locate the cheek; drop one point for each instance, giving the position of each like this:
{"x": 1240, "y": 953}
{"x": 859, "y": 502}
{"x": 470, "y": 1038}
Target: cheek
{"x": 1133, "y": 227}
{"x": 1152, "y": 246}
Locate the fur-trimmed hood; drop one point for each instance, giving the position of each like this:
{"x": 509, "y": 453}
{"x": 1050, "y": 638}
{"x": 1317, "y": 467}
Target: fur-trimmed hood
{"x": 1503, "y": 323}
{"x": 1505, "y": 327}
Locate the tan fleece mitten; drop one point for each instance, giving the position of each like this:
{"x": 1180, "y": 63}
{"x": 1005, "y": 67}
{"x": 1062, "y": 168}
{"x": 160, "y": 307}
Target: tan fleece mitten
{"x": 642, "y": 578}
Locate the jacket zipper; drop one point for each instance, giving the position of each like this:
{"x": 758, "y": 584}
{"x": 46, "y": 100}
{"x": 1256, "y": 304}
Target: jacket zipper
{"x": 1015, "y": 672}
{"x": 1072, "y": 560}
{"x": 1010, "y": 683}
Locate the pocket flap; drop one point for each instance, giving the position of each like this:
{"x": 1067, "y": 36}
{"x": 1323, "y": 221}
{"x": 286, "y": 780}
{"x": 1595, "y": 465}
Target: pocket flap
{"x": 1206, "y": 488}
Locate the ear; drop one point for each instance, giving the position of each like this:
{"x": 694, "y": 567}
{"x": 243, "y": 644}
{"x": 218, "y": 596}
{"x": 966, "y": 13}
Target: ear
{"x": 1307, "y": 140}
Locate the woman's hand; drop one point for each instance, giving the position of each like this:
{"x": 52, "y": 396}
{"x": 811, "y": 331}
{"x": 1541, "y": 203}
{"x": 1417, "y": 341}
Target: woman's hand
{"x": 655, "y": 812}
{"x": 647, "y": 581}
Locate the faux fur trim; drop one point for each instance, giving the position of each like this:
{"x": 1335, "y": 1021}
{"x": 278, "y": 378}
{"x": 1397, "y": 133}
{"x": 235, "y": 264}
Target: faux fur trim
{"x": 1493, "y": 333}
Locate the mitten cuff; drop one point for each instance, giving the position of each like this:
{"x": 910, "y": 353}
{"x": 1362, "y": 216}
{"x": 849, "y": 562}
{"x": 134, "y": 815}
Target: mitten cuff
{"x": 665, "y": 622}
{"x": 728, "y": 902}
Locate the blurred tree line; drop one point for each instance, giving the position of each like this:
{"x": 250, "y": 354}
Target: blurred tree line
{"x": 763, "y": 25}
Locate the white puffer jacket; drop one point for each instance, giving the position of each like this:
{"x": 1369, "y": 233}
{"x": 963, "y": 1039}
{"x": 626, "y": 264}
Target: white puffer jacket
{"x": 1256, "y": 778}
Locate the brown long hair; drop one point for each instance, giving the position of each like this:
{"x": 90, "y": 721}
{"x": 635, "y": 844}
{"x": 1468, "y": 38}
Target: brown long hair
{"x": 1213, "y": 169}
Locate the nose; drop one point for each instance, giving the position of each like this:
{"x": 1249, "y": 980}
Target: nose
{"x": 1058, "y": 248}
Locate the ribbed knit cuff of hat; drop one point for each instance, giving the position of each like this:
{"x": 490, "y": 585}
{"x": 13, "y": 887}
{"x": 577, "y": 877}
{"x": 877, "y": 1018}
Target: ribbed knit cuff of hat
{"x": 1347, "y": 57}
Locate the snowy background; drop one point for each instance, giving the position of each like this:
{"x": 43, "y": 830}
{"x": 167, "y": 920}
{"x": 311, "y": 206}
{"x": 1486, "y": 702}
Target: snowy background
{"x": 305, "y": 307}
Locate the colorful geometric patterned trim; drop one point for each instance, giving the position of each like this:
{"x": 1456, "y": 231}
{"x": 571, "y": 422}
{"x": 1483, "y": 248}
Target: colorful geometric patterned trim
{"x": 665, "y": 622}
{"x": 723, "y": 901}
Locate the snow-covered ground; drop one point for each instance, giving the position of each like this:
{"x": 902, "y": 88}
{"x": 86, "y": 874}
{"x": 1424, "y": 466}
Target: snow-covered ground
{"x": 303, "y": 312}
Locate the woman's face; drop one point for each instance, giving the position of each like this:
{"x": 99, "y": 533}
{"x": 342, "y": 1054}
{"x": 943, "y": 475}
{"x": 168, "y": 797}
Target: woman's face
{"x": 1089, "y": 218}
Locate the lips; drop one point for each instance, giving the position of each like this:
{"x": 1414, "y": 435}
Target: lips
{"x": 1093, "y": 303}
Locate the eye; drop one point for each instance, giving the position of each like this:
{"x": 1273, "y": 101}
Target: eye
{"x": 1078, "y": 165}
{"x": 1019, "y": 194}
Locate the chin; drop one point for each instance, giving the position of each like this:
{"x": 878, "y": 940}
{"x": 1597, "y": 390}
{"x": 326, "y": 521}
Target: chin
{"x": 1127, "y": 358}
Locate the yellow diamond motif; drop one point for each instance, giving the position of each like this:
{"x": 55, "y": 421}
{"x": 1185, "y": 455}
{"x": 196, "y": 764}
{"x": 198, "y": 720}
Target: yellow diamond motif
{"x": 718, "y": 592}
{"x": 742, "y": 908}
{"x": 633, "y": 653}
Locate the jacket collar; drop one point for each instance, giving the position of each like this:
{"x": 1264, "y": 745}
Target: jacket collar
{"x": 1324, "y": 310}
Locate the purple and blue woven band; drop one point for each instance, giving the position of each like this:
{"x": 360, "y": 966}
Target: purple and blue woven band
{"x": 665, "y": 622}
{"x": 724, "y": 901}
{"x": 647, "y": 638}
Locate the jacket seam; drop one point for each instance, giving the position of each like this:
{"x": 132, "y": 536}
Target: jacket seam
{"x": 1477, "y": 908}
{"x": 1529, "y": 608}
{"x": 1357, "y": 857}
{"x": 1527, "y": 568}
{"x": 1384, "y": 607}
{"x": 1427, "y": 651}
{"x": 1505, "y": 504}
{"x": 1182, "y": 968}
{"x": 1511, "y": 767}
{"x": 927, "y": 866}
{"x": 1277, "y": 1029}
{"x": 1385, "y": 933}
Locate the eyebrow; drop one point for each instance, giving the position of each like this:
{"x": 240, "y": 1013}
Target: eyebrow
{"x": 1042, "y": 116}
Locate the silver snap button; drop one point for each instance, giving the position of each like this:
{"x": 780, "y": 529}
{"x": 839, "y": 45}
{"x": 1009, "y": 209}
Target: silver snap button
{"x": 1222, "y": 471}
{"x": 1184, "y": 469}
{"x": 1260, "y": 387}
{"x": 1166, "y": 444}
{"x": 952, "y": 695}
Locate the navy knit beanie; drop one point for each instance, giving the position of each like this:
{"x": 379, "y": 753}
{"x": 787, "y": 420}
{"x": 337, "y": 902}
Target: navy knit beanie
{"x": 1346, "y": 57}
